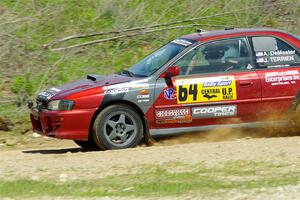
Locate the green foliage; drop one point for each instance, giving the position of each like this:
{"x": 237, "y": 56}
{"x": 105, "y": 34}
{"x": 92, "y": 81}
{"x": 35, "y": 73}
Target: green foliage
{"x": 22, "y": 85}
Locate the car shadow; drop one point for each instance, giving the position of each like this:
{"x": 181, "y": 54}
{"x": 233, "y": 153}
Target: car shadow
{"x": 58, "y": 151}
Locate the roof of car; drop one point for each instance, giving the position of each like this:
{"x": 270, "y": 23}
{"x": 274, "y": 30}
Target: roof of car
{"x": 233, "y": 32}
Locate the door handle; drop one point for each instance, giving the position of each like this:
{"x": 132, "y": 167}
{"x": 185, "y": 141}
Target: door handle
{"x": 246, "y": 83}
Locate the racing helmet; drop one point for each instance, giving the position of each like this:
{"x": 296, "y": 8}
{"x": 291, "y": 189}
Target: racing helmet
{"x": 214, "y": 52}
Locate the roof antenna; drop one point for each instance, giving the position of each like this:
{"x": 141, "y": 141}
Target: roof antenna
{"x": 200, "y": 30}
{"x": 229, "y": 28}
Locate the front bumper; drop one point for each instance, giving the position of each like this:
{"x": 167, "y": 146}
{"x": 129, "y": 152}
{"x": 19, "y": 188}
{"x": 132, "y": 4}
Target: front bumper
{"x": 73, "y": 124}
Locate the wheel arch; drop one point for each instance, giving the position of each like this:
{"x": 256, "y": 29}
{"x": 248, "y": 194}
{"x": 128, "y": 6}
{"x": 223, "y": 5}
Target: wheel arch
{"x": 124, "y": 102}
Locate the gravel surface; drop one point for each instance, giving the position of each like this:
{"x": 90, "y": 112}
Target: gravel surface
{"x": 76, "y": 163}
{"x": 63, "y": 161}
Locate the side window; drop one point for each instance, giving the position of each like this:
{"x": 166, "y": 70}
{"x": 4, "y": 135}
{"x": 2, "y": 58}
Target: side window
{"x": 272, "y": 52}
{"x": 221, "y": 56}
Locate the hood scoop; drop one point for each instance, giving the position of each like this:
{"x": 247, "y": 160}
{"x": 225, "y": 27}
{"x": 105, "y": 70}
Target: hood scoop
{"x": 95, "y": 77}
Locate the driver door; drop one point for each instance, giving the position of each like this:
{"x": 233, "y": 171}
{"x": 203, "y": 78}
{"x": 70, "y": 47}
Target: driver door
{"x": 217, "y": 84}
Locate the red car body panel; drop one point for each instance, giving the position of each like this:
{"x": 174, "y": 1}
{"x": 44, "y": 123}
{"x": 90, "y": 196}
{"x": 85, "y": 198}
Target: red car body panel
{"x": 63, "y": 124}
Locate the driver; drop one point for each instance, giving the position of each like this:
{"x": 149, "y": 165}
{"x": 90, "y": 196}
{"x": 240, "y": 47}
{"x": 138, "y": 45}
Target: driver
{"x": 214, "y": 54}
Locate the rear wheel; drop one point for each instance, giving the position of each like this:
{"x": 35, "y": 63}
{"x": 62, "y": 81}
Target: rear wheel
{"x": 117, "y": 127}
{"x": 88, "y": 145}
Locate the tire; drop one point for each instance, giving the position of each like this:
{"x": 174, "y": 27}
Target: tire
{"x": 88, "y": 145}
{"x": 118, "y": 127}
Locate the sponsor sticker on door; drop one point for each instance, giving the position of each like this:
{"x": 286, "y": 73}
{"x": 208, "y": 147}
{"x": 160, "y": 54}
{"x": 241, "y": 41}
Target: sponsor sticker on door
{"x": 282, "y": 77}
{"x": 173, "y": 115}
{"x": 169, "y": 93}
{"x": 197, "y": 90}
{"x": 214, "y": 111}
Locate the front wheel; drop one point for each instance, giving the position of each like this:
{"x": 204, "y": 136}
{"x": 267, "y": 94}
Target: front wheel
{"x": 117, "y": 127}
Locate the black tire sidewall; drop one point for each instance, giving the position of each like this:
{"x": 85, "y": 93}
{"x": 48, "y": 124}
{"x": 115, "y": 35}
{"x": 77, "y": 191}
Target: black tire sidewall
{"x": 98, "y": 135}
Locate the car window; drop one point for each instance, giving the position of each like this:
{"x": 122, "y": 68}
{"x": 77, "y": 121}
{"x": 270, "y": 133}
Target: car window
{"x": 220, "y": 56}
{"x": 272, "y": 52}
{"x": 157, "y": 59}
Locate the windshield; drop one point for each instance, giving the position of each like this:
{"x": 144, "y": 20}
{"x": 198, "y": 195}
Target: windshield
{"x": 157, "y": 59}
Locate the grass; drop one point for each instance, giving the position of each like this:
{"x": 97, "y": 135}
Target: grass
{"x": 160, "y": 181}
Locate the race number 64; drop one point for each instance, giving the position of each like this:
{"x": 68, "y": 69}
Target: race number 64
{"x": 187, "y": 93}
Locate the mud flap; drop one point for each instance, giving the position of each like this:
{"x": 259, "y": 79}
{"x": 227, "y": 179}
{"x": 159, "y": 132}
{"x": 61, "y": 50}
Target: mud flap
{"x": 147, "y": 139}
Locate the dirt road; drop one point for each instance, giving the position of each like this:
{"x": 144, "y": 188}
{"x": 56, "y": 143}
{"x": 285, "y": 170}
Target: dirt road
{"x": 66, "y": 158}
{"x": 64, "y": 161}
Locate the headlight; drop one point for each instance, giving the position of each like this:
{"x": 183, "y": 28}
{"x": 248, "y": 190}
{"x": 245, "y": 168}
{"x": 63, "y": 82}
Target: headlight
{"x": 61, "y": 105}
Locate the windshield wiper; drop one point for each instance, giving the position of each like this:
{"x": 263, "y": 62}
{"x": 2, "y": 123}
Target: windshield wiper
{"x": 129, "y": 73}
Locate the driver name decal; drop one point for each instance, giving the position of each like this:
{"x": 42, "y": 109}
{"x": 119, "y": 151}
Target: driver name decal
{"x": 210, "y": 89}
{"x": 279, "y": 56}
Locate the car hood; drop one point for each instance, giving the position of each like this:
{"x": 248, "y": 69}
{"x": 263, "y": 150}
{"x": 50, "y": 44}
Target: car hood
{"x": 91, "y": 81}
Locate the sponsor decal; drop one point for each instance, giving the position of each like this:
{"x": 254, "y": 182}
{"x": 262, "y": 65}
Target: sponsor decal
{"x": 217, "y": 83}
{"x": 214, "y": 111}
{"x": 210, "y": 89}
{"x": 142, "y": 98}
{"x": 139, "y": 84}
{"x": 176, "y": 115}
{"x": 182, "y": 42}
{"x": 117, "y": 91}
{"x": 169, "y": 93}
{"x": 282, "y": 77}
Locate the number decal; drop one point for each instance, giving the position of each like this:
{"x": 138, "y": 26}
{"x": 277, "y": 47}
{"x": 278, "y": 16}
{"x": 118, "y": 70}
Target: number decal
{"x": 206, "y": 89}
{"x": 193, "y": 91}
{"x": 185, "y": 92}
{"x": 182, "y": 93}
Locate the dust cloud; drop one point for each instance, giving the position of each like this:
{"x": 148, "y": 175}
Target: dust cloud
{"x": 227, "y": 134}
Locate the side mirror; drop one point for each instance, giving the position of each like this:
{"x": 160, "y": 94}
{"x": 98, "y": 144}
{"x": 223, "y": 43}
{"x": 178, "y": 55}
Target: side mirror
{"x": 171, "y": 71}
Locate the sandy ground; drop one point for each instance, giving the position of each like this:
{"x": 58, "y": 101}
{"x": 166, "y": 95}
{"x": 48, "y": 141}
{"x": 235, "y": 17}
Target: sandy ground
{"x": 57, "y": 159}
{"x": 78, "y": 164}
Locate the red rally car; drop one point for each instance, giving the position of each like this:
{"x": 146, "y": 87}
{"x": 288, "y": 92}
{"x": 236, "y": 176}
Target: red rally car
{"x": 201, "y": 81}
